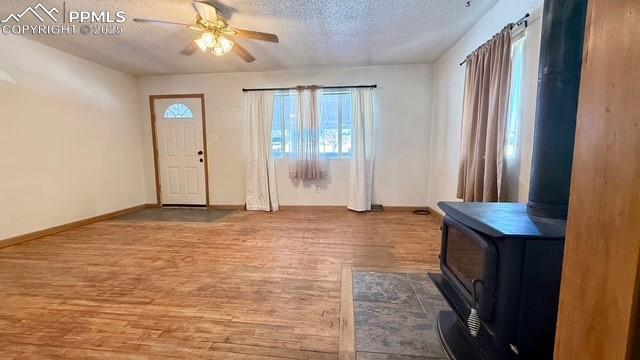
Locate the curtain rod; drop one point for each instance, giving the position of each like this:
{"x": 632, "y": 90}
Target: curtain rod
{"x": 522, "y": 20}
{"x": 312, "y": 87}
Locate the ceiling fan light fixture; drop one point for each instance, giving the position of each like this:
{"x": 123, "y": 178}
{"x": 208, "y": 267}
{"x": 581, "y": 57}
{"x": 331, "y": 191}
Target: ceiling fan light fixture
{"x": 219, "y": 45}
{"x": 222, "y": 46}
{"x": 201, "y": 44}
{"x": 214, "y": 28}
{"x": 208, "y": 39}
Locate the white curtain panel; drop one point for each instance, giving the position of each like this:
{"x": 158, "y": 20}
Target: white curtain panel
{"x": 261, "y": 192}
{"x": 306, "y": 161}
{"x": 362, "y": 151}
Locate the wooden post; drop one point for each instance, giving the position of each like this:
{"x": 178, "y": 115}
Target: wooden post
{"x": 599, "y": 295}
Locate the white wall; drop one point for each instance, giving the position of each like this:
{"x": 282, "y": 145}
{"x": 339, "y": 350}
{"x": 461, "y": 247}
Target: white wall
{"x": 69, "y": 138}
{"x": 403, "y": 114}
{"x": 448, "y": 96}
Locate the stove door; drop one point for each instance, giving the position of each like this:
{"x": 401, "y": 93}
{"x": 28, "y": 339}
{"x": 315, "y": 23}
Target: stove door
{"x": 468, "y": 259}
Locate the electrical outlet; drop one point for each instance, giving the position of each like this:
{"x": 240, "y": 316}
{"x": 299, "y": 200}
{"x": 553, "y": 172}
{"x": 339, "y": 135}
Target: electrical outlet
{"x": 317, "y": 189}
{"x": 214, "y": 138}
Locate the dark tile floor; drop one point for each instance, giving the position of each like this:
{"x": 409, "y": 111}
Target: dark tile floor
{"x": 176, "y": 214}
{"x": 395, "y": 316}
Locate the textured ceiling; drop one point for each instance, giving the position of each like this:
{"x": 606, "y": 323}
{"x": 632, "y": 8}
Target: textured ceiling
{"x": 313, "y": 33}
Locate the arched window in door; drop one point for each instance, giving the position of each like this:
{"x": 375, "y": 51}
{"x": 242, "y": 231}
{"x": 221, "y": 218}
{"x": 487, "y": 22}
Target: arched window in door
{"x": 178, "y": 111}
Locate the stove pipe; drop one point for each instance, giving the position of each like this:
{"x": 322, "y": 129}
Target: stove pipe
{"x": 563, "y": 24}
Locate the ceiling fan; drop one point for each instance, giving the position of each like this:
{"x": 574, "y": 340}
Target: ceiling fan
{"x": 215, "y": 33}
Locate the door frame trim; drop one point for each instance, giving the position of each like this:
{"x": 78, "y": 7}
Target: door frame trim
{"x": 152, "y": 99}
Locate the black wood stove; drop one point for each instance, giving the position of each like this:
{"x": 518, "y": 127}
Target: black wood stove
{"x": 501, "y": 262}
{"x": 506, "y": 265}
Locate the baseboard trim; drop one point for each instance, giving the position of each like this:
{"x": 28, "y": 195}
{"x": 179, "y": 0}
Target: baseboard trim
{"x": 68, "y": 226}
{"x": 226, "y": 207}
{"x": 344, "y": 207}
{"x": 317, "y": 207}
{"x": 405, "y": 208}
{"x": 435, "y": 214}
{"x": 323, "y": 207}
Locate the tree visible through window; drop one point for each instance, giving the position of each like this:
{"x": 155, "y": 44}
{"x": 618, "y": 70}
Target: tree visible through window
{"x": 178, "y": 111}
{"x": 335, "y": 115}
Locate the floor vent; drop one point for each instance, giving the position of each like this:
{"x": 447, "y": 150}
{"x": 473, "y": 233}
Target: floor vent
{"x": 377, "y": 207}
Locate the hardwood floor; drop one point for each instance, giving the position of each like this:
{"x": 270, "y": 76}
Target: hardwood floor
{"x": 250, "y": 286}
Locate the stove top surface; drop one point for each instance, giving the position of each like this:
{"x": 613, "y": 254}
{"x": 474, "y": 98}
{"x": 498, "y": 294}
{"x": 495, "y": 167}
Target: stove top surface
{"x": 504, "y": 220}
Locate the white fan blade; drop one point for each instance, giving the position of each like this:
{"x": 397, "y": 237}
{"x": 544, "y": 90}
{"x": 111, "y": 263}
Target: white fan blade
{"x": 206, "y": 11}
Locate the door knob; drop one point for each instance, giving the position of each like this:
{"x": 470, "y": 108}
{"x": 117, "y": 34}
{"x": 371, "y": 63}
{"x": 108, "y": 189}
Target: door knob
{"x": 201, "y": 160}
{"x": 200, "y": 152}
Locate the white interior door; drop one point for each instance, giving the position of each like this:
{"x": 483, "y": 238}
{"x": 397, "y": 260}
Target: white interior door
{"x": 180, "y": 145}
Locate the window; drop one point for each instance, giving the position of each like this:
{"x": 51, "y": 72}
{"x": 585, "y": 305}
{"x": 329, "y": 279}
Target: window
{"x": 284, "y": 111}
{"x": 335, "y": 115}
{"x": 335, "y": 112}
{"x": 178, "y": 111}
{"x": 514, "y": 117}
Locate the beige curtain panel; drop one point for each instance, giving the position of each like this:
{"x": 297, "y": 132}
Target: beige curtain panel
{"x": 484, "y": 118}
